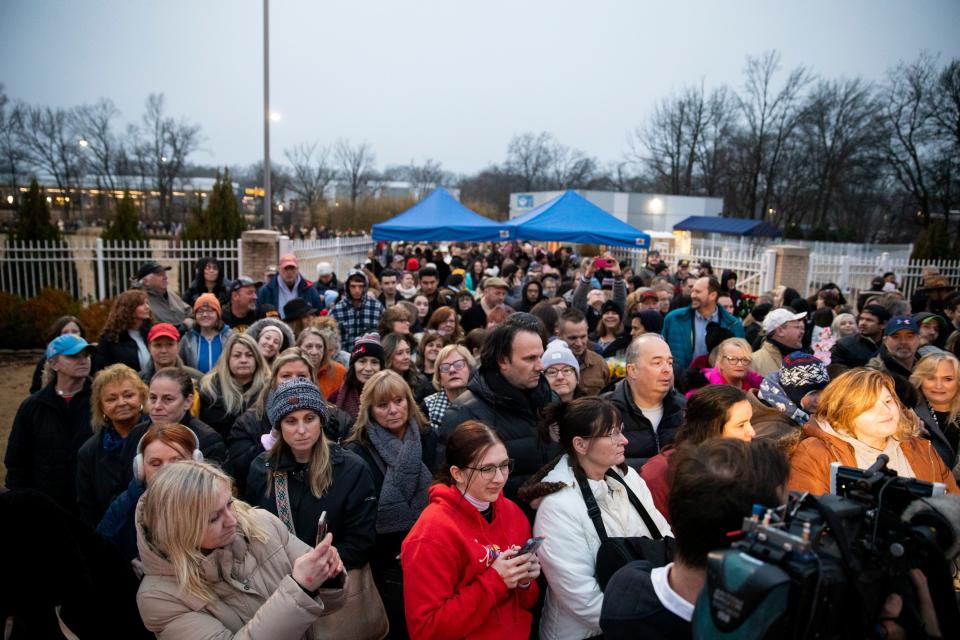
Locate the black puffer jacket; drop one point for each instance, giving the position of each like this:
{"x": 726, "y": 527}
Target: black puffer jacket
{"x": 642, "y": 441}
{"x": 100, "y": 476}
{"x": 211, "y": 445}
{"x": 853, "y": 351}
{"x": 512, "y": 413}
{"x": 120, "y": 349}
{"x": 350, "y": 501}
{"x": 42, "y": 449}
{"x": 244, "y": 445}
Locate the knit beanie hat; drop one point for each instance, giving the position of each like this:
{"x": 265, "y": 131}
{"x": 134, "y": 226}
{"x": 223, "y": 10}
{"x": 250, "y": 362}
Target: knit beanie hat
{"x": 294, "y": 395}
{"x": 802, "y": 373}
{"x": 610, "y": 305}
{"x": 207, "y": 300}
{"x": 558, "y": 352}
{"x": 652, "y": 321}
{"x": 716, "y": 334}
{"x": 367, "y": 346}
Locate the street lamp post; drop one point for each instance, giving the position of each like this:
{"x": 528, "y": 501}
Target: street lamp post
{"x": 267, "y": 196}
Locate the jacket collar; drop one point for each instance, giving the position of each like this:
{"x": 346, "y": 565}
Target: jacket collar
{"x": 624, "y": 394}
{"x": 49, "y": 396}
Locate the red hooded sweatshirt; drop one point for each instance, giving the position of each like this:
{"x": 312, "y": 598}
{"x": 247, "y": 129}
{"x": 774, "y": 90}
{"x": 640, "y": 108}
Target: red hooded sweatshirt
{"x": 449, "y": 589}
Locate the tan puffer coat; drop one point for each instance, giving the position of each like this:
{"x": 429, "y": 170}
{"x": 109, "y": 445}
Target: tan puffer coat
{"x": 256, "y": 597}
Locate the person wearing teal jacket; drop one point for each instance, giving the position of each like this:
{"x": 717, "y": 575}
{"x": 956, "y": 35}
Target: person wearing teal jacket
{"x": 685, "y": 329}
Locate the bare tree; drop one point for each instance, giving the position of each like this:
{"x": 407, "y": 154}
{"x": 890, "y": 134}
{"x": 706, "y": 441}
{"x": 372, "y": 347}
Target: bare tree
{"x": 100, "y": 147}
{"x": 770, "y": 119}
{"x": 355, "y": 165}
{"x": 571, "y": 168}
{"x": 714, "y": 154}
{"x": 424, "y": 177}
{"x": 311, "y": 173}
{"x": 162, "y": 147}
{"x": 46, "y": 138}
{"x": 12, "y": 159}
{"x": 668, "y": 144}
{"x": 530, "y": 156}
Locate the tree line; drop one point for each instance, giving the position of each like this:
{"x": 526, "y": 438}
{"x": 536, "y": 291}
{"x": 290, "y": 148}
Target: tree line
{"x": 823, "y": 158}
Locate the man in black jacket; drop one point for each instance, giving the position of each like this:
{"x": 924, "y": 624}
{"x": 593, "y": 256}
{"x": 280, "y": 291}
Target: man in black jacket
{"x": 52, "y": 424}
{"x": 651, "y": 409}
{"x": 714, "y": 487}
{"x": 508, "y": 393}
{"x": 856, "y": 351}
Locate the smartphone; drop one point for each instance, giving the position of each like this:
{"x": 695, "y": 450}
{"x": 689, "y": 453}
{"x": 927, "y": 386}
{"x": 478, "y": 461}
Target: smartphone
{"x": 322, "y": 528}
{"x": 602, "y": 263}
{"x": 530, "y": 546}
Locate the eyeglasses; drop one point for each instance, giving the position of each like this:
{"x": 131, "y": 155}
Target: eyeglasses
{"x": 614, "y": 434}
{"x": 553, "y": 372}
{"x": 735, "y": 360}
{"x": 447, "y": 367}
{"x": 489, "y": 471}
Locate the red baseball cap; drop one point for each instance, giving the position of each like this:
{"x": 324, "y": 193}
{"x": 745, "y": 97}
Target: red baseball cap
{"x": 163, "y": 330}
{"x": 287, "y": 261}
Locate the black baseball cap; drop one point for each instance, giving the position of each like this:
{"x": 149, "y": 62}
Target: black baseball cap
{"x": 151, "y": 266}
{"x": 244, "y": 281}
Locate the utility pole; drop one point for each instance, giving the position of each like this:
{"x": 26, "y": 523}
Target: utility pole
{"x": 267, "y": 196}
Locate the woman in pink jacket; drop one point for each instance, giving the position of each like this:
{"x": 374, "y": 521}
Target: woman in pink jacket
{"x": 732, "y": 366}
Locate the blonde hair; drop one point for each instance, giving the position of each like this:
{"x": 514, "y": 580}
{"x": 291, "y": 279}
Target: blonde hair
{"x": 319, "y": 469}
{"x": 219, "y": 382}
{"x": 113, "y": 374}
{"x": 444, "y": 354}
{"x": 311, "y": 330}
{"x": 740, "y": 343}
{"x": 835, "y": 325}
{"x": 174, "y": 515}
{"x": 927, "y": 368}
{"x": 855, "y": 392}
{"x": 384, "y": 385}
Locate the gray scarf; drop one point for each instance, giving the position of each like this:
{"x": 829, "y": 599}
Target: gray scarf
{"x": 404, "y": 492}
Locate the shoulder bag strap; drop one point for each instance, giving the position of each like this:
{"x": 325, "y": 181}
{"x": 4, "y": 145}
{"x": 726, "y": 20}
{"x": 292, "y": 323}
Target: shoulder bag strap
{"x": 593, "y": 509}
{"x": 282, "y": 496}
{"x": 635, "y": 501}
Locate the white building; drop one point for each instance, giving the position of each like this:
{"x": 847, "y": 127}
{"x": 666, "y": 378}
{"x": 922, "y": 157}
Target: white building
{"x": 645, "y": 211}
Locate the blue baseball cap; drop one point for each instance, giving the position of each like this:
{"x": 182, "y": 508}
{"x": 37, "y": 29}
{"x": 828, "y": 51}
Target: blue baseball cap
{"x": 899, "y": 323}
{"x": 67, "y": 345}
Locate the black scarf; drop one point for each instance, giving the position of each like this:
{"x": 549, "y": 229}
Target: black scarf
{"x": 530, "y": 400}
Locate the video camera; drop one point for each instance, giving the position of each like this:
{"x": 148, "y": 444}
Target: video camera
{"x": 826, "y": 566}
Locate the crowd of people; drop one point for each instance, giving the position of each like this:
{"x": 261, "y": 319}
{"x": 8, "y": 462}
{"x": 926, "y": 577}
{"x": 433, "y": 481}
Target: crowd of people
{"x": 443, "y": 441}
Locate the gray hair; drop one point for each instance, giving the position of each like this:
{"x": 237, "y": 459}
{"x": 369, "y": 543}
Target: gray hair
{"x": 636, "y": 346}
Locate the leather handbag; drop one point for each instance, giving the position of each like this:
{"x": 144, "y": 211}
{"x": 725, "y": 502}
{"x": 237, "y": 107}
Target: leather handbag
{"x": 363, "y": 616}
{"x": 614, "y": 553}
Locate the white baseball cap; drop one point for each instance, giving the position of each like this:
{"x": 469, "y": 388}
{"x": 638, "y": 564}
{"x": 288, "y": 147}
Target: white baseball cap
{"x": 779, "y": 317}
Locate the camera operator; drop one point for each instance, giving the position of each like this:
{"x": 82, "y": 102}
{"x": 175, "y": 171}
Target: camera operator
{"x": 714, "y": 486}
{"x": 858, "y": 418}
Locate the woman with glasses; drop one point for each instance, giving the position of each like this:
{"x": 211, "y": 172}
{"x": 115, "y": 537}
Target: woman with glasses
{"x": 395, "y": 440}
{"x": 562, "y": 371}
{"x": 463, "y": 569}
{"x": 454, "y": 365}
{"x": 590, "y": 431}
{"x": 730, "y": 365}
{"x": 717, "y": 411}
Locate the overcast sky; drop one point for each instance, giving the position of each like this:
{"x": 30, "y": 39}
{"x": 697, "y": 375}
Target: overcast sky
{"x": 449, "y": 80}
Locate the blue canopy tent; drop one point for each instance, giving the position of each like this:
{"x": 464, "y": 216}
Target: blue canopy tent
{"x": 439, "y": 217}
{"x": 572, "y": 218}
{"x": 729, "y": 226}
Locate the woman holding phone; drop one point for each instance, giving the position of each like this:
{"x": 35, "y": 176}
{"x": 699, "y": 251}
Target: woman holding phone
{"x": 304, "y": 475}
{"x": 446, "y": 587}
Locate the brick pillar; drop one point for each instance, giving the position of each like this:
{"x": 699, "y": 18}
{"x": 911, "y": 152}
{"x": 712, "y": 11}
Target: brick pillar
{"x": 260, "y": 253}
{"x": 793, "y": 267}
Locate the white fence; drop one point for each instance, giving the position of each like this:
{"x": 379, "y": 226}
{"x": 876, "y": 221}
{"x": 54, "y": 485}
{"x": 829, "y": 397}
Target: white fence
{"x": 93, "y": 269}
{"x": 754, "y": 266}
{"x": 342, "y": 253}
{"x": 854, "y": 273}
{"x": 854, "y": 249}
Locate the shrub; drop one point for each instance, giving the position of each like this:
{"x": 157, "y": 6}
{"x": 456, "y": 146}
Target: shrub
{"x": 14, "y": 327}
{"x": 43, "y": 309}
{"x": 94, "y": 317}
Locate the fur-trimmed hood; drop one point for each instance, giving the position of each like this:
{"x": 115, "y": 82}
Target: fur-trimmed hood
{"x": 289, "y": 339}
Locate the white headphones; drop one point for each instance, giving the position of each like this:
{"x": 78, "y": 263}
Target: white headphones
{"x": 138, "y": 460}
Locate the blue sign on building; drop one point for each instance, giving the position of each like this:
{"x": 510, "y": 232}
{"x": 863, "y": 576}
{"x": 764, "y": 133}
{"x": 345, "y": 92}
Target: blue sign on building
{"x": 525, "y": 201}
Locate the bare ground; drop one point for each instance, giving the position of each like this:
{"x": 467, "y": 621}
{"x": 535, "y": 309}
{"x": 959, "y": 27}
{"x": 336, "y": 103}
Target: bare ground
{"x": 15, "y": 374}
